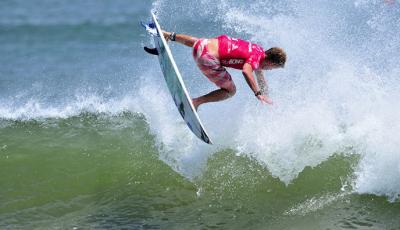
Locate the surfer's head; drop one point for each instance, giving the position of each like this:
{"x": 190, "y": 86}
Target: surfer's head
{"x": 274, "y": 58}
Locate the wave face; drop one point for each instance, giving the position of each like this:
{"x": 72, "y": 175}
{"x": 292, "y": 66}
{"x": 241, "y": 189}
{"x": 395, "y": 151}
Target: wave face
{"x": 74, "y": 72}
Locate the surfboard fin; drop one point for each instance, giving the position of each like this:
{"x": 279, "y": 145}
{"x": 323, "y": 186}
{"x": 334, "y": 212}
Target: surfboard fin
{"x": 152, "y": 51}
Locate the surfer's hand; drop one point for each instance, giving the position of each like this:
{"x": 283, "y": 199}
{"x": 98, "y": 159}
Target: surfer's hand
{"x": 166, "y": 35}
{"x": 265, "y": 99}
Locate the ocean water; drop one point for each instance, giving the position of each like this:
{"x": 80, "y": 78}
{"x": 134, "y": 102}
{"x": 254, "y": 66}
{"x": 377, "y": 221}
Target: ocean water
{"x": 90, "y": 138}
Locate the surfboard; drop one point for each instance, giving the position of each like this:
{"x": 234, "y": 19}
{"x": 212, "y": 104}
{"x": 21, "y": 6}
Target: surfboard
{"x": 175, "y": 84}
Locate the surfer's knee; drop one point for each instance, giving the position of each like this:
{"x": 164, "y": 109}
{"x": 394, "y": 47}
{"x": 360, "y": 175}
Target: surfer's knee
{"x": 231, "y": 91}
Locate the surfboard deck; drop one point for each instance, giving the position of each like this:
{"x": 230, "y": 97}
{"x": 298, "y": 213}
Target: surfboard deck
{"x": 176, "y": 86}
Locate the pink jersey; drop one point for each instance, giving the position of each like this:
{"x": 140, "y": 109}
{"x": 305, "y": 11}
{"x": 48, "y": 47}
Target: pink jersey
{"x": 235, "y": 53}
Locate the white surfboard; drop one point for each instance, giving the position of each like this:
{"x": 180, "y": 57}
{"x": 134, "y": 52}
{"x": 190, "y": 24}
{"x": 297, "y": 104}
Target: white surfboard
{"x": 176, "y": 85}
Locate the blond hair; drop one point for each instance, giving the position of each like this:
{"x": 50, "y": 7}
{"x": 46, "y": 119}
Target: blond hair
{"x": 276, "y": 56}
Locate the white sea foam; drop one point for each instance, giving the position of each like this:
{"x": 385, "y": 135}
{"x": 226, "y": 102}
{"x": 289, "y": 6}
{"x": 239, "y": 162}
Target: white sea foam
{"x": 339, "y": 88}
{"x": 314, "y": 204}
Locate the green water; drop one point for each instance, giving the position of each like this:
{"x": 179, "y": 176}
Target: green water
{"x": 102, "y": 172}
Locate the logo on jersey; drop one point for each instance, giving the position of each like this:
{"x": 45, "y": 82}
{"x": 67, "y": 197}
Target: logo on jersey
{"x": 232, "y": 61}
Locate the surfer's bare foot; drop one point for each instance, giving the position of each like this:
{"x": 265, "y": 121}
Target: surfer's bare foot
{"x": 196, "y": 103}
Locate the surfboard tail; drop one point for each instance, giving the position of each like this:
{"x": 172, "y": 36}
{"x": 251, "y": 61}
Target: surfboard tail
{"x": 150, "y": 28}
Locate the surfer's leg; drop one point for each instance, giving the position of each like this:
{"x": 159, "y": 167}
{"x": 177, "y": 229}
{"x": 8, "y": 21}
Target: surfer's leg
{"x": 214, "y": 96}
{"x": 222, "y": 79}
{"x": 211, "y": 67}
{"x": 182, "y": 38}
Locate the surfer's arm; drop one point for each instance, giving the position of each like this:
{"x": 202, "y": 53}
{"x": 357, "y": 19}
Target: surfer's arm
{"x": 248, "y": 75}
{"x": 180, "y": 38}
{"x": 262, "y": 83}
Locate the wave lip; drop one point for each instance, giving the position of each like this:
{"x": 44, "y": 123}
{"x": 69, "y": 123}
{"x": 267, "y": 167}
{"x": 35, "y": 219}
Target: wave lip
{"x": 35, "y": 109}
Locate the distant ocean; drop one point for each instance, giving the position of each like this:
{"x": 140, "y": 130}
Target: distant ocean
{"x": 90, "y": 137}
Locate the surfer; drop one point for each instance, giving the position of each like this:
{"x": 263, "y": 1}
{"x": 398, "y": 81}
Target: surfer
{"x": 214, "y": 54}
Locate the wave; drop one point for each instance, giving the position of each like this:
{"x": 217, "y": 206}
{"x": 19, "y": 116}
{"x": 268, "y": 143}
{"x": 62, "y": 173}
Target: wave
{"x": 338, "y": 94}
{"x": 36, "y": 109}
{"x": 285, "y": 138}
